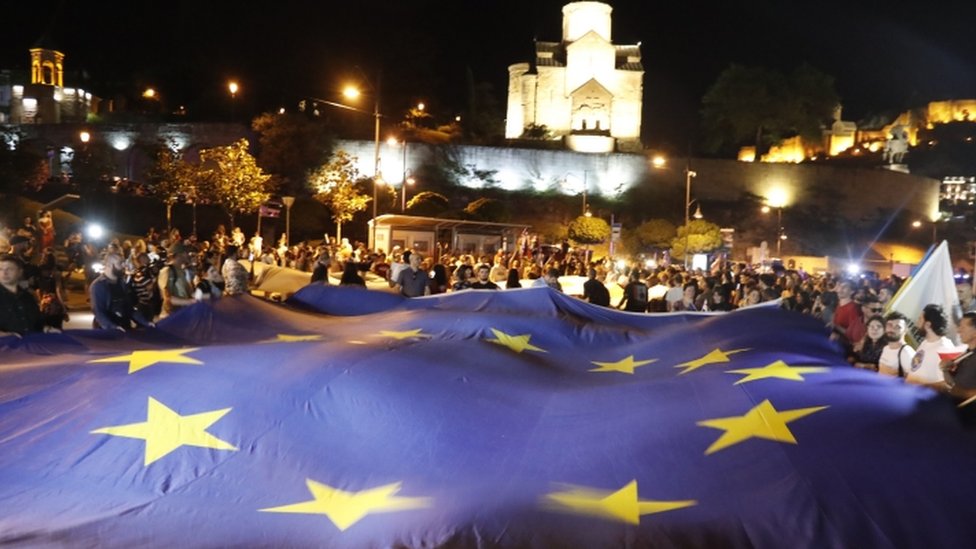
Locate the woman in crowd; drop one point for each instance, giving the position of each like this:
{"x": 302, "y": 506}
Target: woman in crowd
{"x": 462, "y": 278}
{"x": 868, "y": 350}
{"x": 439, "y": 282}
{"x": 513, "y": 279}
{"x": 350, "y": 276}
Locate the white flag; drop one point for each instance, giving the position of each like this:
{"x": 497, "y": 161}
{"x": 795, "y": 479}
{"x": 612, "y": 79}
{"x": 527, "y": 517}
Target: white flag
{"x": 931, "y": 282}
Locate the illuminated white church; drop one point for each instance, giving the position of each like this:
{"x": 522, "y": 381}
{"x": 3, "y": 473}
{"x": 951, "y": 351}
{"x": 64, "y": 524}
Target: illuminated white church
{"x": 584, "y": 89}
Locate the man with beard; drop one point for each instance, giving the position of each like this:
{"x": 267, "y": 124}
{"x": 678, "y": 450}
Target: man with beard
{"x": 110, "y": 301}
{"x": 482, "y": 282}
{"x": 896, "y": 357}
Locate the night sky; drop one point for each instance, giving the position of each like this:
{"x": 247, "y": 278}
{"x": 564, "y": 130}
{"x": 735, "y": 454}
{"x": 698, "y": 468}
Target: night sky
{"x": 885, "y": 57}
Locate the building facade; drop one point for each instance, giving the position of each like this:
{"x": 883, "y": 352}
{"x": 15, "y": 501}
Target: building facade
{"x": 45, "y": 99}
{"x": 583, "y": 89}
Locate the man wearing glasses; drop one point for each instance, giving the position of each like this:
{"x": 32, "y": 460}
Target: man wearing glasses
{"x": 870, "y": 306}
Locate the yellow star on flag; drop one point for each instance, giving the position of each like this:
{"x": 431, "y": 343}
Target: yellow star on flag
{"x": 778, "y": 369}
{"x": 165, "y": 430}
{"x": 347, "y": 508}
{"x": 626, "y": 365}
{"x": 290, "y": 338}
{"x": 763, "y": 421}
{"x": 622, "y": 505}
{"x": 517, "y": 343}
{"x": 716, "y": 356}
{"x": 403, "y": 335}
{"x": 139, "y": 360}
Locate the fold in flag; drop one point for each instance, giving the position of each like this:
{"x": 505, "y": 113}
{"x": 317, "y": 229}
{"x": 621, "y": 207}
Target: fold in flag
{"x": 522, "y": 418}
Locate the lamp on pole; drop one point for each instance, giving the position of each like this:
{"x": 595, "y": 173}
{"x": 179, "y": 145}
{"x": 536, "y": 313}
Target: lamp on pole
{"x": 689, "y": 175}
{"x": 352, "y": 93}
{"x": 232, "y": 87}
{"x": 193, "y": 197}
{"x": 780, "y": 233}
{"x": 288, "y": 201}
{"x": 585, "y": 209}
{"x": 406, "y": 178}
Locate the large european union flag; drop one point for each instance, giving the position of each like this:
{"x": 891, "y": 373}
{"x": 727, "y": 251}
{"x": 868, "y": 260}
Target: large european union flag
{"x": 521, "y": 418}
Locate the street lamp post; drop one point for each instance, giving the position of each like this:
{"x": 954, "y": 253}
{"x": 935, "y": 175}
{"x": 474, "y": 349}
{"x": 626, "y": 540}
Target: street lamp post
{"x": 377, "y": 176}
{"x": 288, "y": 201}
{"x": 780, "y": 233}
{"x": 689, "y": 175}
{"x": 585, "y": 209}
{"x": 232, "y": 87}
{"x": 407, "y": 180}
{"x": 352, "y": 93}
{"x": 193, "y": 197}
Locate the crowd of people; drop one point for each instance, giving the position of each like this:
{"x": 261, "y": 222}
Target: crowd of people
{"x": 133, "y": 284}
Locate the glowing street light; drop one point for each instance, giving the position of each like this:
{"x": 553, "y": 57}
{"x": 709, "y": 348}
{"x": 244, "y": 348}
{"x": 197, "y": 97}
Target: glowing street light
{"x": 85, "y": 137}
{"x": 780, "y": 233}
{"x": 233, "y": 88}
{"x": 150, "y": 93}
{"x": 352, "y": 92}
{"x": 689, "y": 175}
{"x": 405, "y": 179}
{"x": 660, "y": 162}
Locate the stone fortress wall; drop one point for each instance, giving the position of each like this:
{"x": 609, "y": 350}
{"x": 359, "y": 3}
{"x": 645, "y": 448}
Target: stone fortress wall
{"x": 854, "y": 192}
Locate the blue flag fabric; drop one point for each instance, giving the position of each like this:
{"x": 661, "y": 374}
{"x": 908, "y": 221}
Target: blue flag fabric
{"x": 519, "y": 418}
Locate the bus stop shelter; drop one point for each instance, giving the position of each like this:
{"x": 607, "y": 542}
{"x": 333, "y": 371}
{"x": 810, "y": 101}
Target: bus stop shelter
{"x": 429, "y": 235}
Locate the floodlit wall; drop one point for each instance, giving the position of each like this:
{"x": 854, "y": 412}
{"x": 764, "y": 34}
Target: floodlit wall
{"x": 852, "y": 192}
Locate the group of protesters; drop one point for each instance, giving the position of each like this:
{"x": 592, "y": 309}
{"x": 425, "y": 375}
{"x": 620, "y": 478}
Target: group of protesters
{"x": 133, "y": 284}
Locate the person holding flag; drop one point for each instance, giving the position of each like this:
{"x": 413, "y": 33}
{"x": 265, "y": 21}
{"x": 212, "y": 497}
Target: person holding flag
{"x": 925, "y": 364}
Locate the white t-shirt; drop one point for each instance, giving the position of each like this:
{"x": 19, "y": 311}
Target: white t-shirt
{"x": 675, "y": 293}
{"x": 395, "y": 269}
{"x": 889, "y": 359}
{"x": 657, "y": 291}
{"x": 925, "y": 364}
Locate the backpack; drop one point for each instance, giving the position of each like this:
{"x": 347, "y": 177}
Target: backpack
{"x": 901, "y": 371}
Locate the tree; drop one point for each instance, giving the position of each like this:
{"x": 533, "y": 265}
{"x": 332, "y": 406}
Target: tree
{"x": 589, "y": 230}
{"x": 336, "y": 185}
{"x": 487, "y": 209}
{"x": 233, "y": 179}
{"x": 537, "y": 131}
{"x": 92, "y": 163}
{"x": 482, "y": 119}
{"x": 291, "y": 145}
{"x": 21, "y": 167}
{"x": 702, "y": 237}
{"x": 755, "y": 105}
{"x": 428, "y": 204}
{"x": 171, "y": 177}
{"x": 655, "y": 233}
